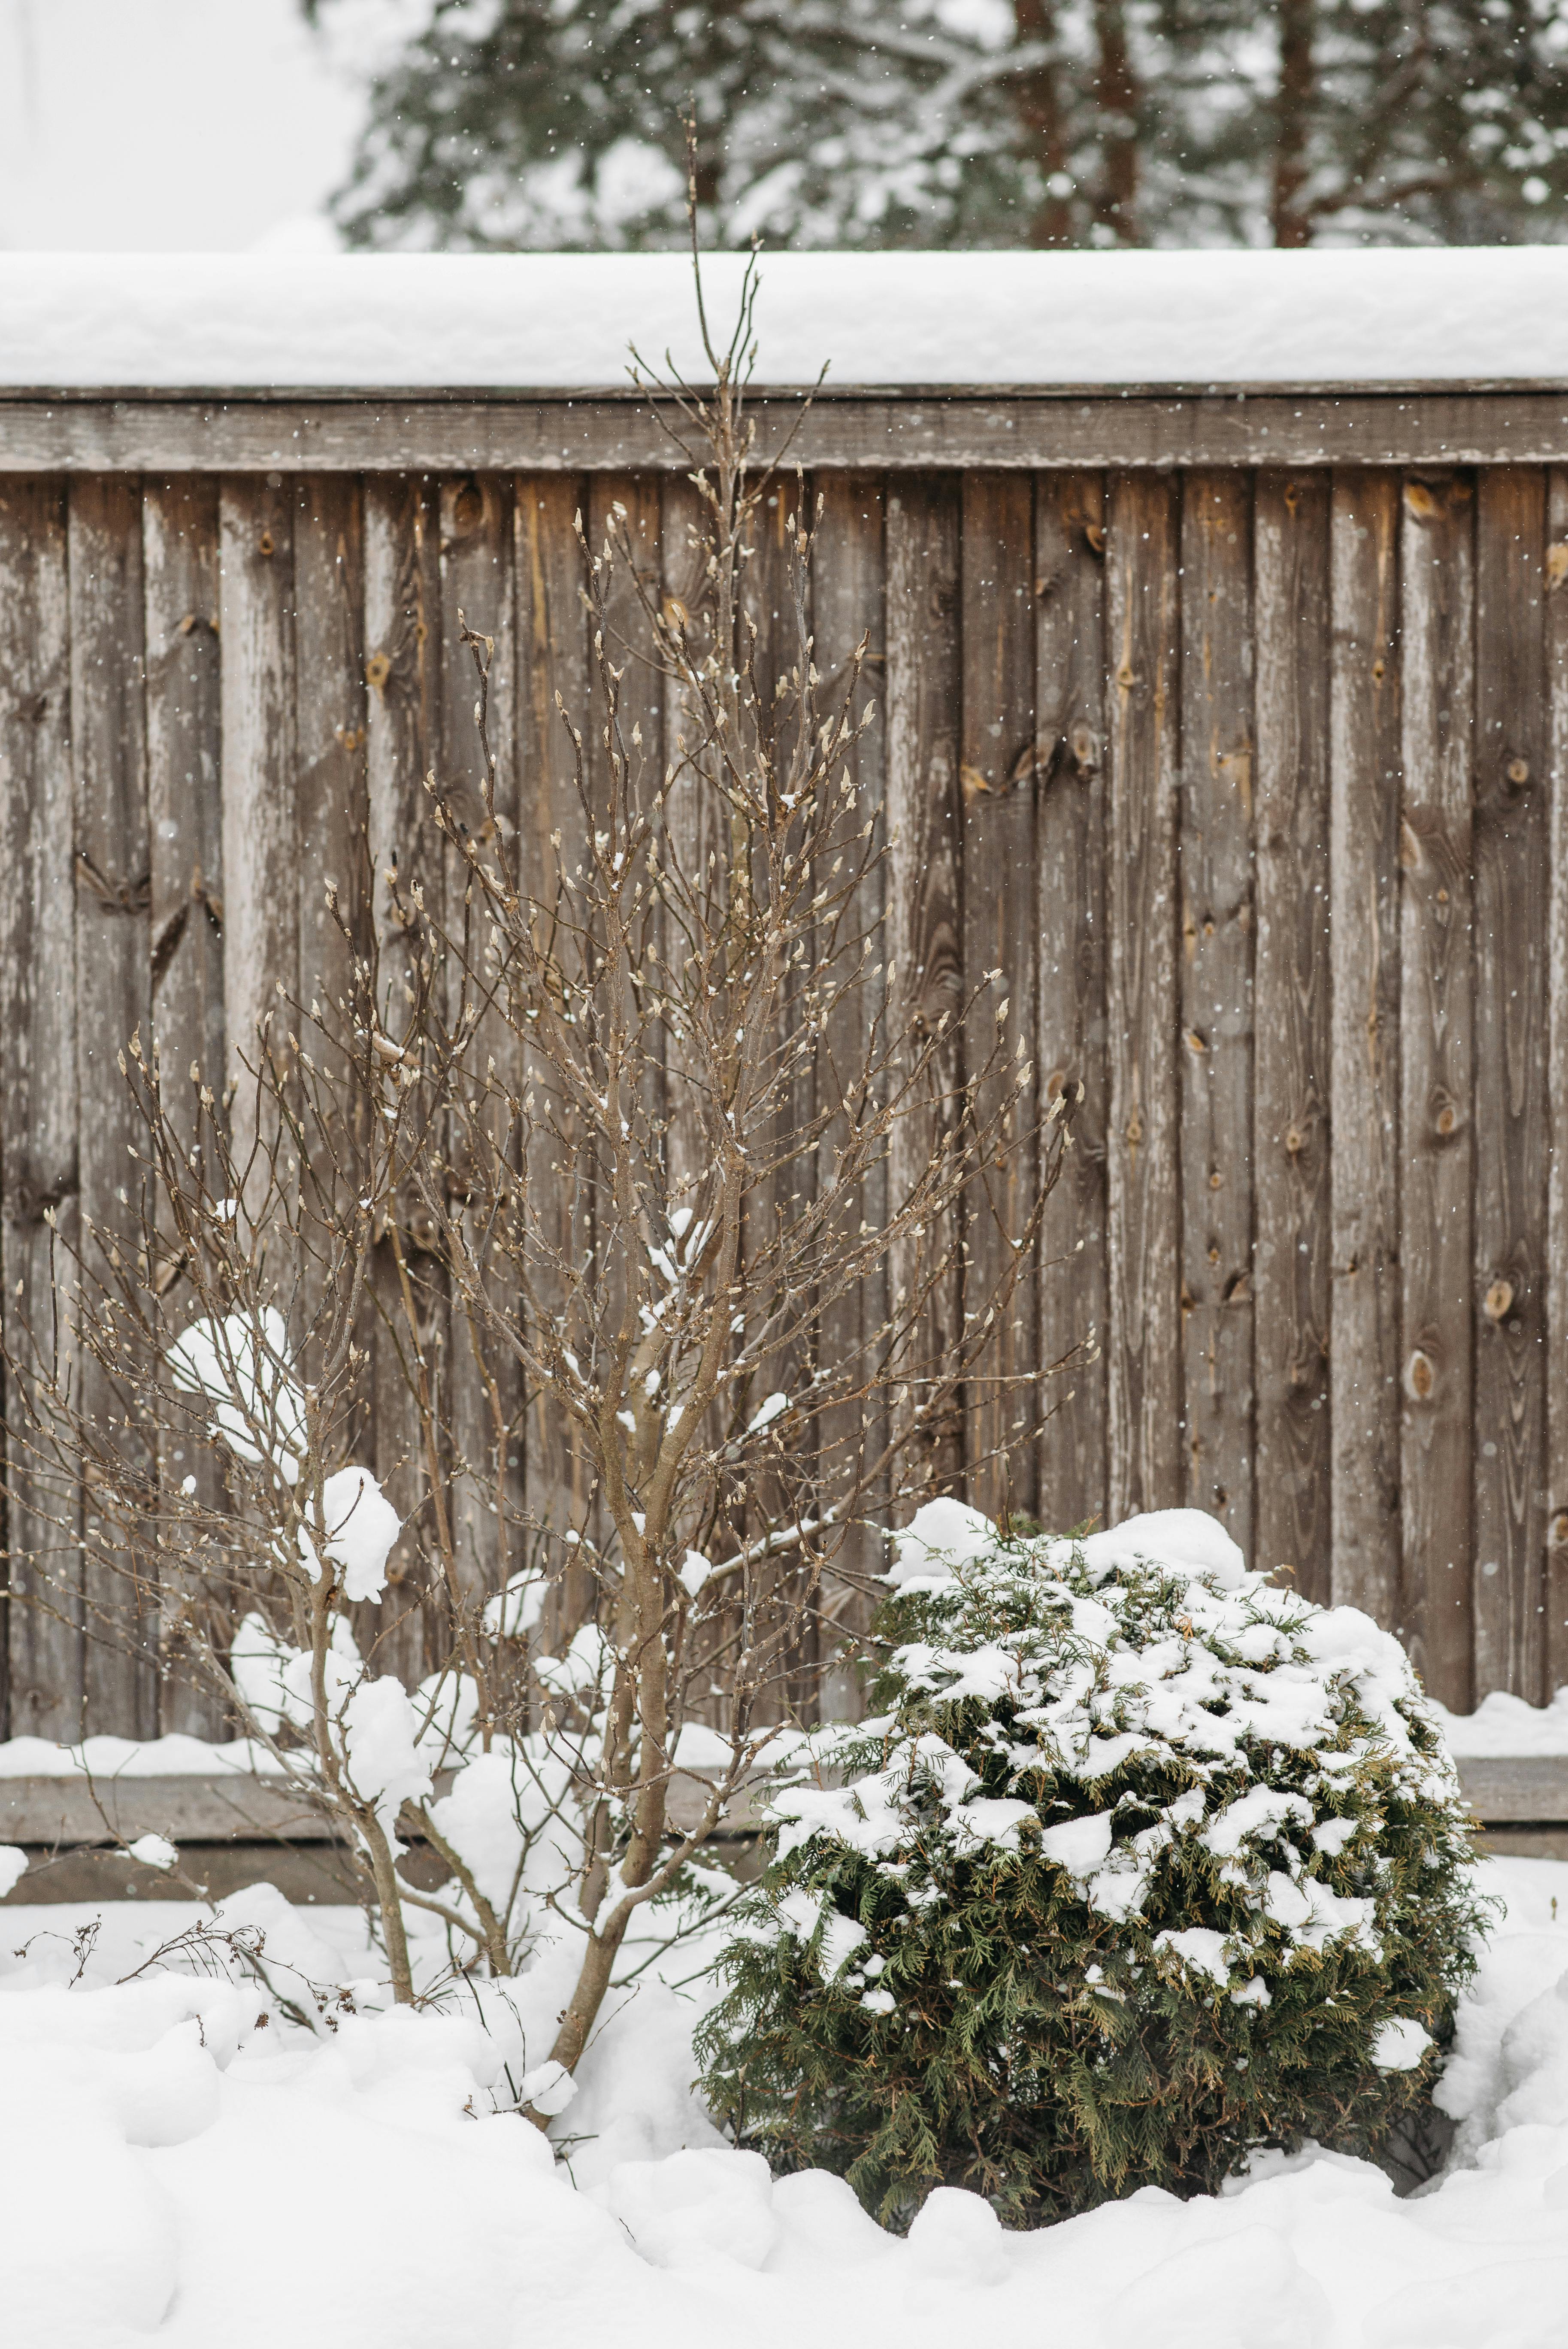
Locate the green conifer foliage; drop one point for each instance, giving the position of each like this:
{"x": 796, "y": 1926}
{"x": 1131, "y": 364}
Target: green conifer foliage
{"x": 869, "y": 123}
{"x": 1140, "y": 1865}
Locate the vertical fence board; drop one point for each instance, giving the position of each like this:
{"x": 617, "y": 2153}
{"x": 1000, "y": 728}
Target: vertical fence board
{"x": 1215, "y": 1059}
{"x": 1070, "y": 1035}
{"x": 261, "y": 918}
{"x": 1364, "y": 952}
{"x": 1556, "y": 1478}
{"x": 552, "y": 658}
{"x": 693, "y": 830}
{"x": 1510, "y": 847}
{"x": 38, "y": 1160}
{"x": 185, "y": 819}
{"x": 769, "y": 592}
{"x": 1291, "y": 1109}
{"x": 329, "y": 721}
{"x": 997, "y": 778}
{"x": 403, "y": 664}
{"x": 925, "y": 939}
{"x": 1438, "y": 701}
{"x": 109, "y": 749}
{"x": 1147, "y": 1437}
{"x": 485, "y": 1387}
{"x": 331, "y": 819}
{"x": 847, "y": 604}
{"x": 184, "y": 795}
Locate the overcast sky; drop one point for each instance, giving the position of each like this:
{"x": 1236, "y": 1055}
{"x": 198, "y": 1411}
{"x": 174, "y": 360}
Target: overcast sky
{"x": 162, "y": 125}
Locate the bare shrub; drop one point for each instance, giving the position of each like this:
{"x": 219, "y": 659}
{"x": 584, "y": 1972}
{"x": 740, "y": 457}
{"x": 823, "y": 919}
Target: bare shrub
{"x": 622, "y": 1112}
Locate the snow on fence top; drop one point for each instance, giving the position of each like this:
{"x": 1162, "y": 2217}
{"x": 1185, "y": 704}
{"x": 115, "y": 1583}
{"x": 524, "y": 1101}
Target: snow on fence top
{"x": 553, "y": 322}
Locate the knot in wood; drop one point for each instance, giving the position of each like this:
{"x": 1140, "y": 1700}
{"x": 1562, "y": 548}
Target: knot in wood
{"x": 1420, "y": 1377}
{"x": 1519, "y": 770}
{"x": 1498, "y": 1300}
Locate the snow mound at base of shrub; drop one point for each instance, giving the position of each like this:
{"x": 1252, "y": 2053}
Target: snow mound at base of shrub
{"x": 171, "y": 2173}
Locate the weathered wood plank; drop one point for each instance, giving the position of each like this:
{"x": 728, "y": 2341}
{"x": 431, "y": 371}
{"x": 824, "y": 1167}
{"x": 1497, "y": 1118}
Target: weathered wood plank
{"x": 260, "y": 842}
{"x": 1556, "y": 1367}
{"x": 485, "y": 1384}
{"x": 1509, "y": 844}
{"x": 996, "y": 777}
{"x": 1148, "y": 1469}
{"x": 553, "y": 651}
{"x": 109, "y": 749}
{"x": 38, "y": 1156}
{"x": 331, "y": 809}
{"x": 848, "y": 602}
{"x": 1437, "y": 581}
{"x": 332, "y": 815}
{"x": 920, "y": 429}
{"x": 693, "y": 828}
{"x": 185, "y": 821}
{"x": 403, "y": 670}
{"x": 924, "y": 916}
{"x": 184, "y": 747}
{"x": 1291, "y": 1104}
{"x": 1069, "y": 920}
{"x": 1215, "y": 1061}
{"x": 768, "y": 592}
{"x": 1516, "y": 1786}
{"x": 1364, "y": 955}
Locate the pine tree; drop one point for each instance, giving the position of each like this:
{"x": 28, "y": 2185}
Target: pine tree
{"x": 512, "y": 124}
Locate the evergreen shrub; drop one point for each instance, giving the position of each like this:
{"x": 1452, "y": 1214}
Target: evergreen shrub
{"x": 1141, "y": 1864}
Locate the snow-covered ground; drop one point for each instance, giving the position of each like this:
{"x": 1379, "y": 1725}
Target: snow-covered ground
{"x": 175, "y": 2168}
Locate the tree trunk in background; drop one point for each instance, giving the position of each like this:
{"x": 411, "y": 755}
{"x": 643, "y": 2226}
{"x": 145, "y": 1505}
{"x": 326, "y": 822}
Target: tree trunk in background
{"x": 1116, "y": 93}
{"x": 1039, "y": 104}
{"x": 1291, "y": 221}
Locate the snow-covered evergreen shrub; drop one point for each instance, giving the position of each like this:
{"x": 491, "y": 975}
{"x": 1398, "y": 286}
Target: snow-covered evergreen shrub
{"x": 1141, "y": 1864}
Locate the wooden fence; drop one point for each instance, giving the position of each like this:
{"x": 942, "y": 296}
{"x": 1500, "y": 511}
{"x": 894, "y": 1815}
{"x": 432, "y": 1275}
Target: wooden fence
{"x": 1234, "y": 731}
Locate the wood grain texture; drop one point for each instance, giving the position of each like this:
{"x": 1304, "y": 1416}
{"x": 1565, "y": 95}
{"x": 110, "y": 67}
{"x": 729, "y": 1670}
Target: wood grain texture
{"x": 484, "y": 1381}
{"x": 332, "y": 810}
{"x": 925, "y": 818}
{"x": 1215, "y": 1059}
{"x": 772, "y": 622}
{"x": 1147, "y": 1468}
{"x": 921, "y": 430}
{"x": 1292, "y": 1076}
{"x": 38, "y": 1156}
{"x": 997, "y": 780}
{"x": 108, "y": 750}
{"x": 261, "y": 841}
{"x": 553, "y": 653}
{"x": 848, "y": 603}
{"x": 403, "y": 711}
{"x": 332, "y": 817}
{"x": 1436, "y": 588}
{"x": 1556, "y": 1287}
{"x": 1365, "y": 1363}
{"x": 1509, "y": 844}
{"x": 1070, "y": 1023}
{"x": 694, "y": 830}
{"x": 184, "y": 822}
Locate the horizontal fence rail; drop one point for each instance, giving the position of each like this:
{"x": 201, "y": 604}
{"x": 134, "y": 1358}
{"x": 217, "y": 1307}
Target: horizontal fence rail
{"x": 1253, "y": 781}
{"x": 594, "y": 431}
